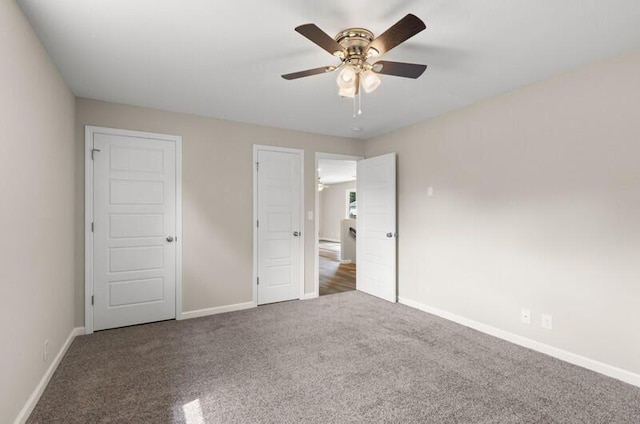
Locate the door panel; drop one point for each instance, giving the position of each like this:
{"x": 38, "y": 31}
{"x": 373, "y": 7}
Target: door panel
{"x": 134, "y": 213}
{"x": 136, "y": 225}
{"x": 135, "y": 291}
{"x": 279, "y": 182}
{"x": 376, "y": 227}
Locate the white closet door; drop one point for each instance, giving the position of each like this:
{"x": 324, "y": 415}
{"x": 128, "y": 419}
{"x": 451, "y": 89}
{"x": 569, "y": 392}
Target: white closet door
{"x": 280, "y": 242}
{"x": 134, "y": 230}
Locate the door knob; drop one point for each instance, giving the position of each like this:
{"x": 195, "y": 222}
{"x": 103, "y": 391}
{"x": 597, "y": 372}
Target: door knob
{"x": 297, "y": 233}
{"x": 170, "y": 239}
{"x": 389, "y": 235}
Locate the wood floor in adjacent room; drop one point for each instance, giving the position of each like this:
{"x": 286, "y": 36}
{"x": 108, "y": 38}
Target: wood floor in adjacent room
{"x": 335, "y": 277}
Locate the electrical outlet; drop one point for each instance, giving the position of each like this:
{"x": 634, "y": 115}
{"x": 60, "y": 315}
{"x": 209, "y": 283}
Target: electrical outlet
{"x": 547, "y": 321}
{"x": 45, "y": 350}
{"x": 525, "y": 316}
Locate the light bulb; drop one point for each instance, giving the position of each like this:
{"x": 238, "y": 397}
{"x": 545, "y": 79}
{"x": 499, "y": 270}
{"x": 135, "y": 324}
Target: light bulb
{"x": 347, "y": 77}
{"x": 370, "y": 81}
{"x": 348, "y": 74}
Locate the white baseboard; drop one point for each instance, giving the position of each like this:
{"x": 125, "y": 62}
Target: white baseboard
{"x": 308, "y": 296}
{"x": 217, "y": 310}
{"x": 572, "y": 358}
{"x": 329, "y": 239}
{"x": 31, "y": 403}
{"x": 345, "y": 261}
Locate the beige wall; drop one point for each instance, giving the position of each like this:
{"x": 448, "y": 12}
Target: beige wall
{"x": 333, "y": 209}
{"x": 536, "y": 204}
{"x": 37, "y": 209}
{"x": 217, "y": 195}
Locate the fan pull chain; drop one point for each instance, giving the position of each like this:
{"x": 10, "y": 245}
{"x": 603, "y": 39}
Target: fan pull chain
{"x": 354, "y": 107}
{"x": 360, "y": 101}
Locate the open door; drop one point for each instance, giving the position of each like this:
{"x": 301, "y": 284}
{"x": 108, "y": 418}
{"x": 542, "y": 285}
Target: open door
{"x": 376, "y": 227}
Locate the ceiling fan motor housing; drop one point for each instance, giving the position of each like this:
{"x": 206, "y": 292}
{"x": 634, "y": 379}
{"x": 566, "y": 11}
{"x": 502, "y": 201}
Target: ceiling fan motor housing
{"x": 354, "y": 41}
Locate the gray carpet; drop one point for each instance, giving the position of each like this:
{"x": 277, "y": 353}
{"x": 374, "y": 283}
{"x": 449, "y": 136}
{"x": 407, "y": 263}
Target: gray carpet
{"x": 342, "y": 358}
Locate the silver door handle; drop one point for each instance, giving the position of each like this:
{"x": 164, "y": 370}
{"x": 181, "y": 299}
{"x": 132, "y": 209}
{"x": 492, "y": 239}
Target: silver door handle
{"x": 297, "y": 233}
{"x": 170, "y": 239}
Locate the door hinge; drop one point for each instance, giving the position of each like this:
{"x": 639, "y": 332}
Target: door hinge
{"x": 258, "y": 223}
{"x": 93, "y": 151}
{"x": 92, "y": 299}
{"x": 92, "y": 227}
{"x": 257, "y": 166}
{"x": 258, "y": 280}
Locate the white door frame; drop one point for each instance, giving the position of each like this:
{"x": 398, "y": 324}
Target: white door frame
{"x": 89, "y": 131}
{"x": 257, "y": 147}
{"x": 316, "y": 259}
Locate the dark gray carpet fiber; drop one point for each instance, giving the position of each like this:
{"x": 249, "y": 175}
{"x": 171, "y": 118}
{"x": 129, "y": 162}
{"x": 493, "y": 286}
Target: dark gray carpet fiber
{"x": 347, "y": 357}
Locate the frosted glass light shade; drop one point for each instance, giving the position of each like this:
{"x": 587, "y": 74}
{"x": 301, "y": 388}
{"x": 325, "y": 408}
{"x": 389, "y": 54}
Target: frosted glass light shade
{"x": 370, "y": 81}
{"x": 347, "y": 77}
{"x": 348, "y": 92}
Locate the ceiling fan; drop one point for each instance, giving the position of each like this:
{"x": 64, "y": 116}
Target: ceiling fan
{"x": 355, "y": 47}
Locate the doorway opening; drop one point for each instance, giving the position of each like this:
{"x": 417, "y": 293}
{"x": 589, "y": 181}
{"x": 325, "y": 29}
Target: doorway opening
{"x": 336, "y": 215}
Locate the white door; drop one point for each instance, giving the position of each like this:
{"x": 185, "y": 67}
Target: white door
{"x": 134, "y": 245}
{"x": 376, "y": 227}
{"x": 279, "y": 225}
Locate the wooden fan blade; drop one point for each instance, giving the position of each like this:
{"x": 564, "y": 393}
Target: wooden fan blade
{"x": 399, "y": 69}
{"x": 309, "y": 72}
{"x": 400, "y": 32}
{"x": 322, "y": 39}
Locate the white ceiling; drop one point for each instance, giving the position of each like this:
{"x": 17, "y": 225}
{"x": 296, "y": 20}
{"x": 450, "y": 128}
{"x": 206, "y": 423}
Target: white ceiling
{"x": 224, "y": 58}
{"x": 331, "y": 171}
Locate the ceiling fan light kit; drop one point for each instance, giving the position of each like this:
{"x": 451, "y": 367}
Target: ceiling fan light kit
{"x": 355, "y": 47}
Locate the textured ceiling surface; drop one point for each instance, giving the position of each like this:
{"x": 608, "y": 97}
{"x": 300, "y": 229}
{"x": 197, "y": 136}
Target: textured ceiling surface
{"x": 224, "y": 59}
